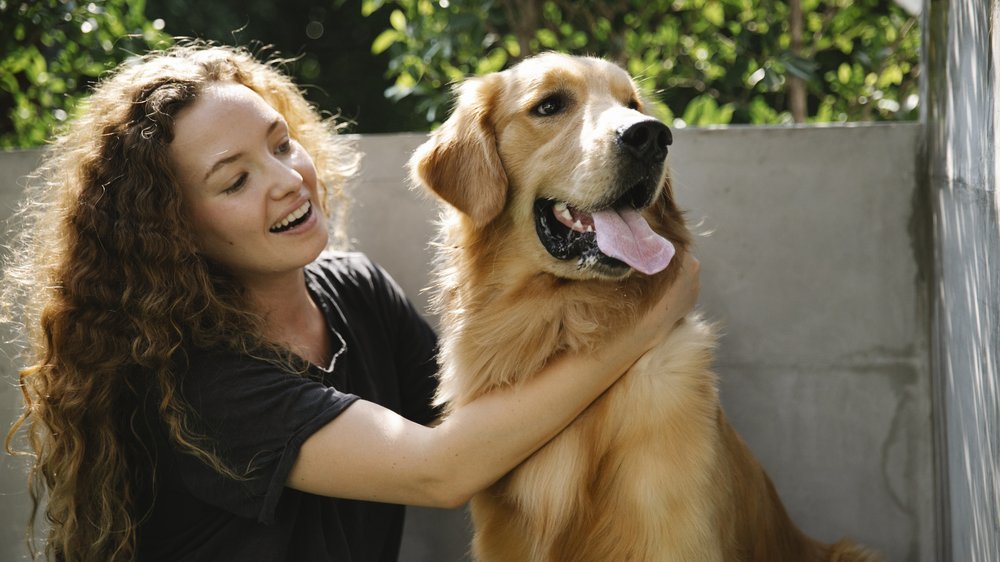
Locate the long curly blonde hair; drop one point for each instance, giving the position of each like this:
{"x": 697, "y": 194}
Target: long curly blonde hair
{"x": 108, "y": 287}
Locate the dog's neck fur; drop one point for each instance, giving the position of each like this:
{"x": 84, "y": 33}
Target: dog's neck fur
{"x": 505, "y": 329}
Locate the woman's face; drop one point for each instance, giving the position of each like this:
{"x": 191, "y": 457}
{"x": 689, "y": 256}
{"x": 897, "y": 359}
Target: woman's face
{"x": 249, "y": 190}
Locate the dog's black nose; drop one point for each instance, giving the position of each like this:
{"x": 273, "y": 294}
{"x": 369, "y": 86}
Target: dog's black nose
{"x": 646, "y": 140}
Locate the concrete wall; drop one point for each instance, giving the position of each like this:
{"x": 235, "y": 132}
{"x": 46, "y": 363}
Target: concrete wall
{"x": 15, "y": 506}
{"x": 813, "y": 261}
{"x": 813, "y": 266}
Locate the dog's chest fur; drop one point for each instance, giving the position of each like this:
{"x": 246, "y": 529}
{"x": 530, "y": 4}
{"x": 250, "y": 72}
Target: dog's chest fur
{"x": 643, "y": 452}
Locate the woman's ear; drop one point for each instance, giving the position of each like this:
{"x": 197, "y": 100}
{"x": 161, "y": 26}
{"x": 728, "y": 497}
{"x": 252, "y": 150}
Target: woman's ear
{"x": 460, "y": 162}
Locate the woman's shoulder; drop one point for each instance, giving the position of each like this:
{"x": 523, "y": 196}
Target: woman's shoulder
{"x": 353, "y": 277}
{"x": 342, "y": 263}
{"x": 339, "y": 271}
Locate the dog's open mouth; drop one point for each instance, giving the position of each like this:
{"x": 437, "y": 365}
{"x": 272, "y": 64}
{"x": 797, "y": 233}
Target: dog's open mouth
{"x": 614, "y": 239}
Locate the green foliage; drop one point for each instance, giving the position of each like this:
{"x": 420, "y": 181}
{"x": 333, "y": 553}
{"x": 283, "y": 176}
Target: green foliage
{"x": 329, "y": 42}
{"x": 702, "y": 61}
{"x": 52, "y": 50}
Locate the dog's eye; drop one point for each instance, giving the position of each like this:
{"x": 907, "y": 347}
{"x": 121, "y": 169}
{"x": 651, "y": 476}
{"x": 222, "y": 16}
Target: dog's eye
{"x": 550, "y": 105}
{"x": 633, "y": 104}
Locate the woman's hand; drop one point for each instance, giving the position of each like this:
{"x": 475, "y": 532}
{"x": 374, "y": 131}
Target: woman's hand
{"x": 675, "y": 304}
{"x": 657, "y": 321}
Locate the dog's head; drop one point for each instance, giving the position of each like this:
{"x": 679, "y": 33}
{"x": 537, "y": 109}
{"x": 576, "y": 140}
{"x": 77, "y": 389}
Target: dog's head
{"x": 558, "y": 154}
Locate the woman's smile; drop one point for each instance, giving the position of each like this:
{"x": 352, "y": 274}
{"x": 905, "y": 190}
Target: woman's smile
{"x": 294, "y": 219}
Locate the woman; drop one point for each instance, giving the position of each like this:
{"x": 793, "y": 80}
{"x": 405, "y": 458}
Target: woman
{"x": 205, "y": 378}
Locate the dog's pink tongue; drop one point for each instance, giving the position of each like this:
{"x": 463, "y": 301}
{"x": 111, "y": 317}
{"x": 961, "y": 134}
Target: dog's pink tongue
{"x": 624, "y": 235}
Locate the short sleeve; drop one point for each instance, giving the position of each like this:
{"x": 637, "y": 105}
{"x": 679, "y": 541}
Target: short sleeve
{"x": 397, "y": 340}
{"x": 415, "y": 350}
{"x": 255, "y": 416}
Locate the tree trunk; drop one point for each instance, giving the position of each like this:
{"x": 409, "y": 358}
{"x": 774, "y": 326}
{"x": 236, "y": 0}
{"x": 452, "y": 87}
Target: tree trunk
{"x": 796, "y": 86}
{"x": 524, "y": 17}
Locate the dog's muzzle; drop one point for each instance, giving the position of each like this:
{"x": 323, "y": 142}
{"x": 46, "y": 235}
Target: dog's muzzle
{"x": 613, "y": 237}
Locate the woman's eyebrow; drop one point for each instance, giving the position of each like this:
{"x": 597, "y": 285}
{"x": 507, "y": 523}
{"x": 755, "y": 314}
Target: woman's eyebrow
{"x": 215, "y": 167}
{"x": 222, "y": 163}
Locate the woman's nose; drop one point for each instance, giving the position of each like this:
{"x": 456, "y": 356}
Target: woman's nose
{"x": 285, "y": 179}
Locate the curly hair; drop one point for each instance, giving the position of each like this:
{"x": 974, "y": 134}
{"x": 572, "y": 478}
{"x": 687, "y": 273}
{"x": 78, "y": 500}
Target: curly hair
{"x": 110, "y": 288}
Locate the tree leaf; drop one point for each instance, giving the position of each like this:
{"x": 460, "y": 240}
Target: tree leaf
{"x": 547, "y": 38}
{"x": 714, "y": 14}
{"x": 398, "y": 21}
{"x": 844, "y": 73}
{"x": 385, "y": 40}
{"x": 368, "y": 7}
{"x": 800, "y": 67}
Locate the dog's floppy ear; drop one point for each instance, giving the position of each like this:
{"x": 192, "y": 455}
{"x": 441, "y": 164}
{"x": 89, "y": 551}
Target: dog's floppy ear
{"x": 460, "y": 162}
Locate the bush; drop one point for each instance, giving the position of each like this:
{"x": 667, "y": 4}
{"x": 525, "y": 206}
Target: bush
{"x": 51, "y": 51}
{"x": 704, "y": 61}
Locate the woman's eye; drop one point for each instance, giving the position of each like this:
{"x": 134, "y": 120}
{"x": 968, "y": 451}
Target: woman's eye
{"x": 550, "y": 105}
{"x": 237, "y": 185}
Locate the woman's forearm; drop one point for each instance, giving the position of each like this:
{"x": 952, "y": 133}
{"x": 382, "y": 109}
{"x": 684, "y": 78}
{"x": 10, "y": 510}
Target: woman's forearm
{"x": 486, "y": 438}
{"x": 372, "y": 453}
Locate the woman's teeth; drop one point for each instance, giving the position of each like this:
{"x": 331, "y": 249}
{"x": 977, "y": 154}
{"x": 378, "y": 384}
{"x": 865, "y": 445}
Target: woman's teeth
{"x": 292, "y": 217}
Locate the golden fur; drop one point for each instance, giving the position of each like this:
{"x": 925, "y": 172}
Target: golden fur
{"x": 652, "y": 470}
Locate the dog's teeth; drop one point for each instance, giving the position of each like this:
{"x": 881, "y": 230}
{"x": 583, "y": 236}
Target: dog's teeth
{"x": 578, "y": 225}
{"x": 590, "y": 227}
{"x": 563, "y": 210}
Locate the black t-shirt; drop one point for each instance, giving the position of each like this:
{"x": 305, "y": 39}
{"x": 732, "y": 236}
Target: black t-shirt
{"x": 258, "y": 417}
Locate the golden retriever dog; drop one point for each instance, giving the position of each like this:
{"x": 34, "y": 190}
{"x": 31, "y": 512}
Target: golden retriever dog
{"x": 560, "y": 227}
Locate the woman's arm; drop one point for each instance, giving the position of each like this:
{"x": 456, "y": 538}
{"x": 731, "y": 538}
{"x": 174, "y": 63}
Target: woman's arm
{"x": 372, "y": 453}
